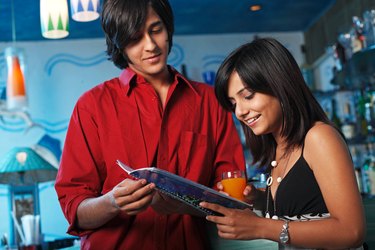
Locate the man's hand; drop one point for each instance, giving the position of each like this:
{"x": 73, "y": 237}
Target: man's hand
{"x": 132, "y": 196}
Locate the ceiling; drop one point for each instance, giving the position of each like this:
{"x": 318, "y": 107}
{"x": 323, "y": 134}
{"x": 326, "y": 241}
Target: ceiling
{"x": 191, "y": 17}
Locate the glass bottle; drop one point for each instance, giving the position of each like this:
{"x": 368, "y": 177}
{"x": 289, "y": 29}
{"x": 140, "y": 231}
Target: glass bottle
{"x": 357, "y": 38}
{"x": 334, "y": 117}
{"x": 362, "y": 122}
{"x": 368, "y": 172}
{"x": 348, "y": 125}
{"x": 369, "y": 27}
{"x": 370, "y": 113}
{"x": 364, "y": 171}
{"x": 371, "y": 177}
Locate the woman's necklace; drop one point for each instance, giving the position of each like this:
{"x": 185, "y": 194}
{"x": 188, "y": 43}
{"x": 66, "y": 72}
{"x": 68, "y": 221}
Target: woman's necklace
{"x": 269, "y": 183}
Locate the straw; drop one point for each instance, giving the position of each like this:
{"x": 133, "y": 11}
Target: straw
{"x": 18, "y": 227}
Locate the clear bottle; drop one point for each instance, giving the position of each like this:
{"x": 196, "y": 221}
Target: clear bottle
{"x": 358, "y": 176}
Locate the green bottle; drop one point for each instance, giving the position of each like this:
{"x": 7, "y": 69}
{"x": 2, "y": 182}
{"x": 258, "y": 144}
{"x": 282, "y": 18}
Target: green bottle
{"x": 334, "y": 117}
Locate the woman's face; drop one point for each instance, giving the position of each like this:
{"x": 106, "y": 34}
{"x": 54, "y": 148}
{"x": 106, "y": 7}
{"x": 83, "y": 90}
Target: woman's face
{"x": 260, "y": 112}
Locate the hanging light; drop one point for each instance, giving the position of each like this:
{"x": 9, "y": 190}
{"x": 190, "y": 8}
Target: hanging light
{"x": 54, "y": 18}
{"x": 15, "y": 84}
{"x": 16, "y": 91}
{"x": 84, "y": 10}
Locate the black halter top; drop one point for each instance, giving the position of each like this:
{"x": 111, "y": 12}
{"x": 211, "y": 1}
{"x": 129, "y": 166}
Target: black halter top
{"x": 298, "y": 193}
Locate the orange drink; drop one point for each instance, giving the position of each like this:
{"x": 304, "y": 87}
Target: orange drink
{"x": 234, "y": 183}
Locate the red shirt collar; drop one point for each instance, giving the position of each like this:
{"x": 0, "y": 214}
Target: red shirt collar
{"x": 129, "y": 79}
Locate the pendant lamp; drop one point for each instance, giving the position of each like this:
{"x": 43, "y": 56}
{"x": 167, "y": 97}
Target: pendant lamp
{"x": 16, "y": 91}
{"x": 85, "y": 10}
{"x": 15, "y": 83}
{"x": 54, "y": 18}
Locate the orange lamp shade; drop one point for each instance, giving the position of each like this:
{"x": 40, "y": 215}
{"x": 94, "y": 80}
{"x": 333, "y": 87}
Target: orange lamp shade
{"x": 16, "y": 89}
{"x": 16, "y": 81}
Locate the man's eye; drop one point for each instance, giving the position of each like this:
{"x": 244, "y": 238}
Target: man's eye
{"x": 156, "y": 30}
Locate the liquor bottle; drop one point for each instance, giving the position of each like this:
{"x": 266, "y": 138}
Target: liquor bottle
{"x": 358, "y": 39}
{"x": 362, "y": 124}
{"x": 364, "y": 172}
{"x": 334, "y": 117}
{"x": 368, "y": 172}
{"x": 339, "y": 55}
{"x": 348, "y": 125}
{"x": 358, "y": 176}
{"x": 369, "y": 27}
{"x": 371, "y": 177}
{"x": 370, "y": 114}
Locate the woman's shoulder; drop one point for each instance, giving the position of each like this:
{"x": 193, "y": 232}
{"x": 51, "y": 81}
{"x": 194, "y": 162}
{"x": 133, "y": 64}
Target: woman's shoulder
{"x": 322, "y": 140}
{"x": 321, "y": 131}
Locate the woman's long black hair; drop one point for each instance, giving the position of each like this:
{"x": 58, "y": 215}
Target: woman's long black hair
{"x": 267, "y": 67}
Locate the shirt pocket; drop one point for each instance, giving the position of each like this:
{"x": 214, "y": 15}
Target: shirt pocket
{"x": 192, "y": 152}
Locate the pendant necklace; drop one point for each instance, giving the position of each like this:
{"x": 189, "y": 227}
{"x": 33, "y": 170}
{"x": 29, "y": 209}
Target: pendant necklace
{"x": 269, "y": 183}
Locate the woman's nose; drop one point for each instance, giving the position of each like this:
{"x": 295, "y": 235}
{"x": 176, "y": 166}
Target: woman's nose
{"x": 241, "y": 111}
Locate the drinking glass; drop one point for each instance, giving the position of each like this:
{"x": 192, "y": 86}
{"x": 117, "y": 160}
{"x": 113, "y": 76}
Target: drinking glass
{"x": 234, "y": 183}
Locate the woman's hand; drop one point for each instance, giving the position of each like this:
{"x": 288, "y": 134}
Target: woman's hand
{"x": 235, "y": 223}
{"x": 251, "y": 193}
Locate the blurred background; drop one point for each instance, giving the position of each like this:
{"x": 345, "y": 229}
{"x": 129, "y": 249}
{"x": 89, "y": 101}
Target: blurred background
{"x": 53, "y": 51}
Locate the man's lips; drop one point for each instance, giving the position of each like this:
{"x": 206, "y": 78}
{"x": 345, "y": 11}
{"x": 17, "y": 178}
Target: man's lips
{"x": 152, "y": 58}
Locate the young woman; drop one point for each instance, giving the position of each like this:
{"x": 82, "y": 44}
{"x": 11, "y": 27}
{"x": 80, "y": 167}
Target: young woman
{"x": 312, "y": 199}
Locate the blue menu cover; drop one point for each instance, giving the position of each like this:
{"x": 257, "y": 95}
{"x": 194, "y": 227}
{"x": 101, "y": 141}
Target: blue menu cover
{"x": 184, "y": 190}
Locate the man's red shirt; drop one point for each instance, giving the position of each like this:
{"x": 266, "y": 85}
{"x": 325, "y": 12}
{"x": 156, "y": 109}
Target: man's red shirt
{"x": 123, "y": 119}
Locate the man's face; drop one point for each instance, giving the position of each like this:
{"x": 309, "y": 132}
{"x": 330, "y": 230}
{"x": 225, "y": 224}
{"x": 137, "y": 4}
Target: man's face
{"x": 148, "y": 52}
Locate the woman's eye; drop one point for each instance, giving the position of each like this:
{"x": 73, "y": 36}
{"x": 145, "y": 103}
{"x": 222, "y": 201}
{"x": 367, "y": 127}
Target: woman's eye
{"x": 249, "y": 96}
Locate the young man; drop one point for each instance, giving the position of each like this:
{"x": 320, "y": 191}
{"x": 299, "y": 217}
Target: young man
{"x": 149, "y": 116}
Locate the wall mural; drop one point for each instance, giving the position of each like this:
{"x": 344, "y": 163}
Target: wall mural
{"x": 19, "y": 122}
{"x": 73, "y": 59}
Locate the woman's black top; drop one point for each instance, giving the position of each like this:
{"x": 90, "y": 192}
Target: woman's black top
{"x": 298, "y": 193}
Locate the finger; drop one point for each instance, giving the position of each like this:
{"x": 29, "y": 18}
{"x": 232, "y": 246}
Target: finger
{"x": 138, "y": 194}
{"x": 137, "y": 206}
{"x": 129, "y": 186}
{"x": 224, "y": 193}
{"x": 219, "y": 186}
{"x": 226, "y": 235}
{"x": 247, "y": 190}
{"x": 214, "y": 207}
